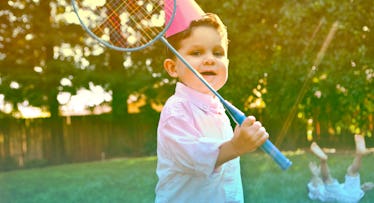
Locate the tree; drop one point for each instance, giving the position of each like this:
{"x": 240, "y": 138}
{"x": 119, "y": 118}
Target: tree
{"x": 281, "y": 40}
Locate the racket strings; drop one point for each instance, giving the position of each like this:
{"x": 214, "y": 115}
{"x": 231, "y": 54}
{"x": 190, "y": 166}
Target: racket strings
{"x": 114, "y": 24}
{"x": 150, "y": 32}
{"x": 146, "y": 33}
{"x": 127, "y": 23}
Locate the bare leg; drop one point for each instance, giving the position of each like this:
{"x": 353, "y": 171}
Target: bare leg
{"x": 316, "y": 172}
{"x": 354, "y": 168}
{"x": 325, "y": 172}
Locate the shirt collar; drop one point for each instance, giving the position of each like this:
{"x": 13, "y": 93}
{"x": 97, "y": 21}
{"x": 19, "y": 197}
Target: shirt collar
{"x": 205, "y": 102}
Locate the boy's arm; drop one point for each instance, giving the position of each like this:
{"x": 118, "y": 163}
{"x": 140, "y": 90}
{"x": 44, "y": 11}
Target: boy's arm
{"x": 227, "y": 152}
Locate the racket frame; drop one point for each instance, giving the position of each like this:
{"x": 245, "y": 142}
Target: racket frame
{"x": 160, "y": 35}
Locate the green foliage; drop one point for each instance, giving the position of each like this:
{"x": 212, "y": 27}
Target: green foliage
{"x": 276, "y": 41}
{"x": 282, "y": 40}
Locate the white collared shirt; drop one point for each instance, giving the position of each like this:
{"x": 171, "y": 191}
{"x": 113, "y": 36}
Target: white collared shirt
{"x": 191, "y": 129}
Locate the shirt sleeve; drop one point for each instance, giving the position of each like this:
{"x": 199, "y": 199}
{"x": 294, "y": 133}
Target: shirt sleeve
{"x": 185, "y": 145}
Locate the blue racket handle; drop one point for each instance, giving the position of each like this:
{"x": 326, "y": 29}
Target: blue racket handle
{"x": 268, "y": 146}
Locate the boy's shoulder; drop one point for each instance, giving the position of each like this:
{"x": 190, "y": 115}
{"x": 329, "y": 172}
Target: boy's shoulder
{"x": 175, "y": 102}
{"x": 176, "y": 105}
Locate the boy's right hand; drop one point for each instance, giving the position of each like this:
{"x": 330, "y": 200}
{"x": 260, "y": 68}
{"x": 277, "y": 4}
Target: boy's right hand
{"x": 249, "y": 136}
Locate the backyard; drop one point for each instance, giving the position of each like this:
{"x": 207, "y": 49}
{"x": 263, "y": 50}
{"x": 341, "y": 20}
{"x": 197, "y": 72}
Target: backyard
{"x": 134, "y": 180}
{"x": 78, "y": 122}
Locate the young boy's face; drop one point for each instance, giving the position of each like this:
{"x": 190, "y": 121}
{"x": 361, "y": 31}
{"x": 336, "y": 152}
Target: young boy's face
{"x": 206, "y": 51}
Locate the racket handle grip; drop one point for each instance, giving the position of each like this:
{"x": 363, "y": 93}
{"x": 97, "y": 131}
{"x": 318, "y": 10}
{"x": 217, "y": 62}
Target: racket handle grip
{"x": 276, "y": 155}
{"x": 268, "y": 147}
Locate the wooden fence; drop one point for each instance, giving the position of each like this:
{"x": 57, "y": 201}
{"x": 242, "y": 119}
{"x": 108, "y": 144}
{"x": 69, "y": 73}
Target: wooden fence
{"x": 38, "y": 142}
{"x": 26, "y": 143}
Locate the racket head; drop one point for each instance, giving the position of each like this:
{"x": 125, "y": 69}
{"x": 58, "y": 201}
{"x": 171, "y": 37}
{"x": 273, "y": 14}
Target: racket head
{"x": 125, "y": 25}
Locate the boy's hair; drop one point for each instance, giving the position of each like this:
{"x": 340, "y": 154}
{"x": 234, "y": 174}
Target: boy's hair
{"x": 209, "y": 20}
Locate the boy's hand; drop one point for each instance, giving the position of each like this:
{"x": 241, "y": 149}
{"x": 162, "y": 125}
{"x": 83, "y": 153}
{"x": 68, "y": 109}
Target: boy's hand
{"x": 249, "y": 136}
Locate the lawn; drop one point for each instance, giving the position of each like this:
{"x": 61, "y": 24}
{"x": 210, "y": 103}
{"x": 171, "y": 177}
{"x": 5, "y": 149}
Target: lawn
{"x": 133, "y": 180}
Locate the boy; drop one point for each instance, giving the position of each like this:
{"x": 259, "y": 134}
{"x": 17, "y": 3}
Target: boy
{"x": 198, "y": 152}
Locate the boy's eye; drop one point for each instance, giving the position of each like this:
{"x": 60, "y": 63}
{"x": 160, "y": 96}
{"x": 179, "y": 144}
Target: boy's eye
{"x": 218, "y": 53}
{"x": 195, "y": 53}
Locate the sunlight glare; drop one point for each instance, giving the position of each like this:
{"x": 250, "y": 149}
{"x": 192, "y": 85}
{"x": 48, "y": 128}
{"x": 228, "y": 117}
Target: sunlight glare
{"x": 71, "y": 18}
{"x": 124, "y": 17}
{"x": 66, "y": 82}
{"x": 29, "y": 37}
{"x": 369, "y": 74}
{"x": 84, "y": 63}
{"x": 16, "y": 4}
{"x": 27, "y": 111}
{"x": 93, "y": 3}
{"x": 145, "y": 22}
{"x": 127, "y": 63}
{"x": 67, "y": 16}
{"x": 149, "y": 7}
{"x": 66, "y": 50}
{"x": 87, "y": 17}
{"x": 318, "y": 94}
{"x": 38, "y": 69}
{"x": 85, "y": 99}
{"x": 97, "y": 50}
{"x": 158, "y": 20}
{"x": 140, "y": 3}
{"x": 14, "y": 85}
{"x": 2, "y": 96}
{"x": 105, "y": 35}
{"x": 131, "y": 39}
{"x": 341, "y": 89}
{"x": 63, "y": 97}
{"x": 5, "y": 107}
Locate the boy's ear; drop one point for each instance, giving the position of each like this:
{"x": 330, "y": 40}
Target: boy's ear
{"x": 169, "y": 66}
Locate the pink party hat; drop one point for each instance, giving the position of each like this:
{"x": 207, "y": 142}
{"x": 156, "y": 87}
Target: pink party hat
{"x": 186, "y": 12}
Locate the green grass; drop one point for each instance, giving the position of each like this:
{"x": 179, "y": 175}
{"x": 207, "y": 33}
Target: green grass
{"x": 134, "y": 180}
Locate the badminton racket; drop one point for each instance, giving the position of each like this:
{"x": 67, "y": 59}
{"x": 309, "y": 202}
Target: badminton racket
{"x": 132, "y": 25}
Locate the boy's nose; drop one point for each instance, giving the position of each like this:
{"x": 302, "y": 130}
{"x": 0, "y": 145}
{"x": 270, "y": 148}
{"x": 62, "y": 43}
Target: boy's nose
{"x": 209, "y": 60}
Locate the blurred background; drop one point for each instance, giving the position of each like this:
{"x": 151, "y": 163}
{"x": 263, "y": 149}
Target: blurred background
{"x": 305, "y": 69}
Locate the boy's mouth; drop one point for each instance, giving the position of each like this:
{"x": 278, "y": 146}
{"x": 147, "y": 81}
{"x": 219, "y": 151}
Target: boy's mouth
{"x": 207, "y": 73}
